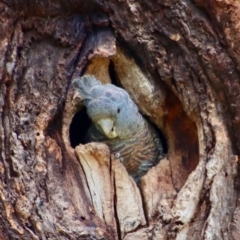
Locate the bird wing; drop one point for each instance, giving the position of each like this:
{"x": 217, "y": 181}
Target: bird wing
{"x": 138, "y": 154}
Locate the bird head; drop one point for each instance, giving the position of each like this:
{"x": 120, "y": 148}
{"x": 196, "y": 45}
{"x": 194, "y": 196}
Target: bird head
{"x": 110, "y": 108}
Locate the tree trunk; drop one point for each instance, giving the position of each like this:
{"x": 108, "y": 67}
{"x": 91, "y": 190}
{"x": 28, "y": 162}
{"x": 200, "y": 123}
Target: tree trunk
{"x": 178, "y": 60}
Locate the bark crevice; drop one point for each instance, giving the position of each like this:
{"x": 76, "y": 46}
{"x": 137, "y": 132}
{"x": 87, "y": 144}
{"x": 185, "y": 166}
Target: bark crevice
{"x": 178, "y": 62}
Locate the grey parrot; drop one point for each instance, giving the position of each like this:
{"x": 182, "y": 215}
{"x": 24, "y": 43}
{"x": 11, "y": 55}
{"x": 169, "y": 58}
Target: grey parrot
{"x": 117, "y": 122}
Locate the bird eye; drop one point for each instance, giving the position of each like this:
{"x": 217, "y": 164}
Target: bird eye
{"x": 118, "y": 111}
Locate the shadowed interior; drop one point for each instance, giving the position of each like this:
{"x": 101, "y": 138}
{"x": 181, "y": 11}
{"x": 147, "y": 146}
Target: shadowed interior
{"x": 79, "y": 127}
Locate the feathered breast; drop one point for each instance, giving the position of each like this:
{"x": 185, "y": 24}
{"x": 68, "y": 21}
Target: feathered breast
{"x": 138, "y": 153}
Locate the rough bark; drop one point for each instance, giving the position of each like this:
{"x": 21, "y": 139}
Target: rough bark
{"x": 178, "y": 60}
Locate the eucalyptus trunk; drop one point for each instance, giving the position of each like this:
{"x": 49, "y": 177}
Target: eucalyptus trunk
{"x": 178, "y": 60}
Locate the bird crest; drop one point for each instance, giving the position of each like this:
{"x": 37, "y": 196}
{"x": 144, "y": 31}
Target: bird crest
{"x": 85, "y": 85}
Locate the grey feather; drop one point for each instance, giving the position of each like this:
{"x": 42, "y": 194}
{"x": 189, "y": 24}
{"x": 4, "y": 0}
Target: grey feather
{"x": 84, "y": 86}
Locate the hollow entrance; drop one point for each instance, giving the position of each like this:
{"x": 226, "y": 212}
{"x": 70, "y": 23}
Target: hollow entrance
{"x": 81, "y": 122}
{"x": 179, "y": 133}
{"x": 79, "y": 127}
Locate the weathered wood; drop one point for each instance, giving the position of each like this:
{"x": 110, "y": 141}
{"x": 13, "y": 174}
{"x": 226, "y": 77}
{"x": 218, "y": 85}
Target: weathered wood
{"x": 179, "y": 61}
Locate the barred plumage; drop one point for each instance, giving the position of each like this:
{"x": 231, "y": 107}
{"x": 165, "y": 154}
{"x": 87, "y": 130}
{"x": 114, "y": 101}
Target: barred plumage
{"x": 138, "y": 153}
{"x": 117, "y": 122}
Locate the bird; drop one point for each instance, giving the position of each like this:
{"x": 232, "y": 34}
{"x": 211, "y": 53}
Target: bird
{"x": 117, "y": 122}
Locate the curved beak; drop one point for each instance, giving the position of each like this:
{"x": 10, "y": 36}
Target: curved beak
{"x": 107, "y": 127}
